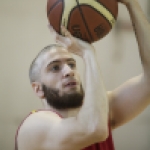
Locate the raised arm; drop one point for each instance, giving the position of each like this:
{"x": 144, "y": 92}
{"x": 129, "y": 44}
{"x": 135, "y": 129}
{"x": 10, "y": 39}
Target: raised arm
{"x": 48, "y": 131}
{"x": 132, "y": 97}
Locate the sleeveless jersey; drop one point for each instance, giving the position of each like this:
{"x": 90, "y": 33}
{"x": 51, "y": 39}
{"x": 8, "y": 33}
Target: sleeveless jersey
{"x": 105, "y": 145}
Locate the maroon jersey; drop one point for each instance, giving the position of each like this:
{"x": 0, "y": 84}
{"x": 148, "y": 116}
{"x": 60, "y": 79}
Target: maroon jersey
{"x": 105, "y": 145}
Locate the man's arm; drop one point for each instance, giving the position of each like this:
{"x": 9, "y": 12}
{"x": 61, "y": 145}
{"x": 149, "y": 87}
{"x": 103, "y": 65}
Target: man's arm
{"x": 132, "y": 97}
{"x": 48, "y": 131}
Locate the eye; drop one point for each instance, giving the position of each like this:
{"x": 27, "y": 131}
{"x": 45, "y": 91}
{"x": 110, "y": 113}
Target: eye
{"x": 72, "y": 65}
{"x": 55, "y": 68}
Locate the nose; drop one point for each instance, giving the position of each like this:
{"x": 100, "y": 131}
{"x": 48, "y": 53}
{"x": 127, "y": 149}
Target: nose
{"x": 68, "y": 71}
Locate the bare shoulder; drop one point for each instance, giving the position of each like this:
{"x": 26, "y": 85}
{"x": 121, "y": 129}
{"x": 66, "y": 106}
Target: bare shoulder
{"x": 48, "y": 131}
{"x": 33, "y": 130}
{"x": 37, "y": 119}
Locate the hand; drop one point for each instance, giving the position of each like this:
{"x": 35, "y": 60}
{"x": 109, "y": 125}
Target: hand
{"x": 71, "y": 43}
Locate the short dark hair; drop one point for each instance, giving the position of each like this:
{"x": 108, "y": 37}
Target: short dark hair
{"x": 35, "y": 67}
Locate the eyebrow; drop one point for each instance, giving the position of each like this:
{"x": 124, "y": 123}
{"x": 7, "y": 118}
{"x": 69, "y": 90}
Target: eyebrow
{"x": 58, "y": 61}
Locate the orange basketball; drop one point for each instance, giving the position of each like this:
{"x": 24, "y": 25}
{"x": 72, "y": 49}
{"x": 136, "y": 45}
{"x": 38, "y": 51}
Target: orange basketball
{"x": 89, "y": 20}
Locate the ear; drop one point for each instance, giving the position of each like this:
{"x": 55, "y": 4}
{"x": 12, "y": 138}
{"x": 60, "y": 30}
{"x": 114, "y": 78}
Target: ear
{"x": 37, "y": 87}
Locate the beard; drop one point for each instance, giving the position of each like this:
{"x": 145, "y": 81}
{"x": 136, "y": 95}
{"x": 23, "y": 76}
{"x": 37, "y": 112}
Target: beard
{"x": 66, "y": 101}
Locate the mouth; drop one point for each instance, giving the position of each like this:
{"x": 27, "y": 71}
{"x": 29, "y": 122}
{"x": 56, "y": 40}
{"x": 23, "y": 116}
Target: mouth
{"x": 71, "y": 84}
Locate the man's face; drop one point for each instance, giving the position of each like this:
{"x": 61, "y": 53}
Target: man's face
{"x": 60, "y": 81}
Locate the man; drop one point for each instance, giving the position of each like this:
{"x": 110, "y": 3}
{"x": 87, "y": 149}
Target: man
{"x": 73, "y": 119}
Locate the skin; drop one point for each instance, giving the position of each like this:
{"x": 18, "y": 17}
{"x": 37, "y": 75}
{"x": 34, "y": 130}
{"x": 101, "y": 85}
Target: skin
{"x": 88, "y": 124}
{"x": 135, "y": 93}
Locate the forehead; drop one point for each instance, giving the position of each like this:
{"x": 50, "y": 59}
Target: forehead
{"x": 58, "y": 53}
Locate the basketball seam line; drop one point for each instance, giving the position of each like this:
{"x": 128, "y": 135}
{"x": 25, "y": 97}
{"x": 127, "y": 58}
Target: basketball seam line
{"x": 52, "y": 7}
{"x": 84, "y": 20}
{"x": 69, "y": 17}
{"x": 100, "y": 13}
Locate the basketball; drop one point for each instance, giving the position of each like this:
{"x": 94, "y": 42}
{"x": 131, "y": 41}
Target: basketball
{"x": 89, "y": 20}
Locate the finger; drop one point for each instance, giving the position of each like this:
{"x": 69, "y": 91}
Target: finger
{"x": 51, "y": 29}
{"x": 54, "y": 34}
{"x": 49, "y": 26}
{"x": 61, "y": 43}
{"x": 63, "y": 39}
{"x": 65, "y": 32}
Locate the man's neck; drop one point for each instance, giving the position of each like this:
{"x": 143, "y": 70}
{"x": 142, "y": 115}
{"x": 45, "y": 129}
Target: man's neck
{"x": 64, "y": 113}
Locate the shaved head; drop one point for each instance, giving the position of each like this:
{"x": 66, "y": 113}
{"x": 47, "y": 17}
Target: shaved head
{"x": 35, "y": 67}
